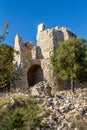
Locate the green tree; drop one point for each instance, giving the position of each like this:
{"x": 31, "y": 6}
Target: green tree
{"x": 8, "y": 71}
{"x": 6, "y": 65}
{"x": 6, "y": 57}
{"x": 4, "y": 32}
{"x": 70, "y": 61}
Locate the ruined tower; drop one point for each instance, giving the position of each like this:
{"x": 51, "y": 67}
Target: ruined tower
{"x": 35, "y": 62}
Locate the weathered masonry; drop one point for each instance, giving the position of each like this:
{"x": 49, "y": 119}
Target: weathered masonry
{"x": 35, "y": 62}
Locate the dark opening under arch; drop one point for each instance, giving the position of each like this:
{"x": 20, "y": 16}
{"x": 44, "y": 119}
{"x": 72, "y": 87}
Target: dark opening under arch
{"x": 34, "y": 75}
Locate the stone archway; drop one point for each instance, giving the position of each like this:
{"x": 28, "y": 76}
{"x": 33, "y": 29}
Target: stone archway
{"x": 35, "y": 75}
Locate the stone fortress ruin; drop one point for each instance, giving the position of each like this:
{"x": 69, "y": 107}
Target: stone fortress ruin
{"x": 35, "y": 61}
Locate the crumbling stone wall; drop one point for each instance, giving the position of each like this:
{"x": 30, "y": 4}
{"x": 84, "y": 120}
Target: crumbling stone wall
{"x": 48, "y": 40}
{"x": 35, "y": 62}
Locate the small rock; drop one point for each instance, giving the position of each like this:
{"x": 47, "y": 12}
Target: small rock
{"x": 37, "y": 128}
{"x": 55, "y": 103}
{"x": 77, "y": 116}
{"x": 14, "y": 103}
{"x": 60, "y": 119}
{"x": 65, "y": 127}
{"x": 71, "y": 124}
{"x": 5, "y": 107}
{"x": 49, "y": 108}
{"x": 77, "y": 128}
{"x": 60, "y": 127}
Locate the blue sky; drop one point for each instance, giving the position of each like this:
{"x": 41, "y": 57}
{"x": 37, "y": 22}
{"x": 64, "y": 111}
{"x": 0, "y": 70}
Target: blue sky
{"x": 25, "y": 15}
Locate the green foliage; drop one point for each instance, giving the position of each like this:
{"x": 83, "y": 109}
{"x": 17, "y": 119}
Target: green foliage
{"x": 15, "y": 120}
{"x": 70, "y": 60}
{"x": 24, "y": 117}
{"x": 6, "y": 59}
{"x": 9, "y": 73}
{"x": 4, "y": 32}
{"x": 6, "y": 65}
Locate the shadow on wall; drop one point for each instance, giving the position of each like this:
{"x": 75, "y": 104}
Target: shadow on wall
{"x": 39, "y": 53}
{"x": 35, "y": 75}
{"x": 58, "y": 36}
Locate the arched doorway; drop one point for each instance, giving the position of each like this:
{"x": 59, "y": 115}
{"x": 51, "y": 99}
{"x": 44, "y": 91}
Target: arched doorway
{"x": 34, "y": 75}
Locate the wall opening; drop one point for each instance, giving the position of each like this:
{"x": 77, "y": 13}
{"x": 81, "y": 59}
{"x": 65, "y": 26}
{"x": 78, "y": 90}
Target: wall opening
{"x": 35, "y": 75}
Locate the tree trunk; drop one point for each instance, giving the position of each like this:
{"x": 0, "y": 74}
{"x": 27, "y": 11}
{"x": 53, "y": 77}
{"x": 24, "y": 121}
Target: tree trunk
{"x": 72, "y": 85}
